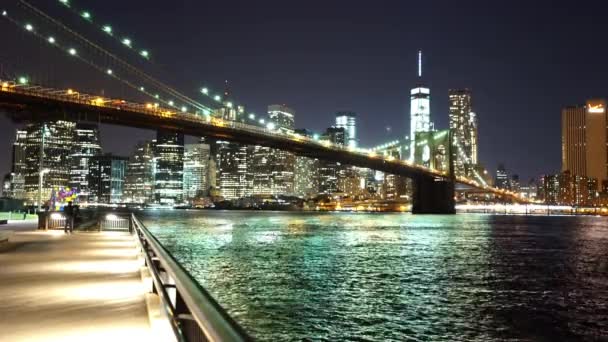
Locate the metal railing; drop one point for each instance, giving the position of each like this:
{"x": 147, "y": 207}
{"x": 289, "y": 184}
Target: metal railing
{"x": 194, "y": 315}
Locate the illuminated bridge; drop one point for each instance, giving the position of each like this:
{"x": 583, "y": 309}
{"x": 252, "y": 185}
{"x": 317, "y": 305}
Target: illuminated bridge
{"x": 170, "y": 109}
{"x": 433, "y": 190}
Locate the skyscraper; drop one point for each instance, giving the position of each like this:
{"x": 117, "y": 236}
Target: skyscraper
{"x": 85, "y": 146}
{"x": 232, "y": 166}
{"x": 196, "y": 170}
{"x": 306, "y": 172}
{"x": 502, "y": 178}
{"x": 348, "y": 121}
{"x": 329, "y": 171}
{"x": 17, "y": 175}
{"x": 282, "y": 163}
{"x": 463, "y": 123}
{"x": 139, "y": 175}
{"x": 106, "y": 178}
{"x": 584, "y": 140}
{"x": 169, "y": 161}
{"x": 420, "y": 108}
{"x": 54, "y": 140}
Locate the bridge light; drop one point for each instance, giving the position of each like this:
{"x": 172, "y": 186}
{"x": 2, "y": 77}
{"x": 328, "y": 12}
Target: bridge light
{"x": 110, "y": 72}
{"x": 65, "y": 2}
{"x": 271, "y": 126}
{"x": 184, "y": 109}
{"x": 170, "y": 103}
{"x": 127, "y": 42}
{"x": 86, "y": 15}
{"x": 22, "y": 80}
{"x": 217, "y": 98}
{"x": 144, "y": 53}
{"x": 148, "y": 105}
{"x": 107, "y": 29}
{"x": 52, "y": 40}
{"x": 29, "y": 27}
{"x": 70, "y": 92}
{"x": 229, "y": 104}
{"x": 156, "y": 96}
{"x": 4, "y": 13}
{"x": 315, "y": 136}
{"x": 142, "y": 89}
{"x": 262, "y": 121}
{"x": 252, "y": 116}
{"x": 205, "y": 91}
{"x": 72, "y": 51}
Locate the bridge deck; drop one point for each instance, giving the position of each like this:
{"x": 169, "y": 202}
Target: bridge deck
{"x": 80, "y": 287}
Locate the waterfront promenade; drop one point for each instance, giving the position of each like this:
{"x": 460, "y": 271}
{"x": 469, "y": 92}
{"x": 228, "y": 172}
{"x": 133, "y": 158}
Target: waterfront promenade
{"x": 79, "y": 287}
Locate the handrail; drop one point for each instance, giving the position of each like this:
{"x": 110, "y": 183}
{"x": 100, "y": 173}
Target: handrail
{"x": 214, "y": 322}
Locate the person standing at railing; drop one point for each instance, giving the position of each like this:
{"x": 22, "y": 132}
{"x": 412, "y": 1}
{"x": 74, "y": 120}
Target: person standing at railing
{"x": 68, "y": 212}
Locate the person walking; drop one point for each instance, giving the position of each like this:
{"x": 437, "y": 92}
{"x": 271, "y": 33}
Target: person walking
{"x": 68, "y": 211}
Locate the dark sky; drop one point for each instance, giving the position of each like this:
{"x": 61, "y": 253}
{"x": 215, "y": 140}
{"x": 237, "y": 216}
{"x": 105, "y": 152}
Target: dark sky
{"x": 523, "y": 60}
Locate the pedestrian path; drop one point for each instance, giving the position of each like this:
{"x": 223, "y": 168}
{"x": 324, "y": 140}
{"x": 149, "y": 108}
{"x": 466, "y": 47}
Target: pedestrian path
{"x": 79, "y": 287}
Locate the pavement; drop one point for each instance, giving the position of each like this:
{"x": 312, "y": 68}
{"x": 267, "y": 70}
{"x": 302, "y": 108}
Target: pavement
{"x": 79, "y": 287}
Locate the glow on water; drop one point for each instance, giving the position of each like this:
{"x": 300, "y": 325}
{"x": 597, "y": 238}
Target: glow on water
{"x": 295, "y": 276}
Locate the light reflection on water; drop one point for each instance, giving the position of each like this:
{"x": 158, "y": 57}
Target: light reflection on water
{"x": 294, "y": 276}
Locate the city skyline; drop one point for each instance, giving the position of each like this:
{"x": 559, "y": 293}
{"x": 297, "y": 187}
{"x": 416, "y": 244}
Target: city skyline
{"x": 386, "y": 104}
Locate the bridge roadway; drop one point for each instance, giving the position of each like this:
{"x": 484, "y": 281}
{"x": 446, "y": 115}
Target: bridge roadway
{"x": 433, "y": 193}
{"x": 79, "y": 287}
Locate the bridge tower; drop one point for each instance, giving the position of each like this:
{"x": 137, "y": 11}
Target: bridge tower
{"x": 435, "y": 195}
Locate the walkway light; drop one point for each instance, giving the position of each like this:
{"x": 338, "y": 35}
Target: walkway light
{"x": 252, "y": 116}
{"x": 184, "y": 109}
{"x": 217, "y": 98}
{"x": 271, "y": 126}
{"x": 65, "y": 2}
{"x": 86, "y": 15}
{"x": 142, "y": 89}
{"x": 22, "y": 80}
{"x": 170, "y": 103}
{"x": 144, "y": 53}
{"x": 262, "y": 121}
{"x": 107, "y": 29}
{"x": 127, "y": 42}
{"x": 205, "y": 91}
{"x": 110, "y": 72}
{"x": 72, "y": 51}
{"x": 229, "y": 104}
{"x": 52, "y": 40}
{"x": 29, "y": 27}
{"x": 4, "y": 13}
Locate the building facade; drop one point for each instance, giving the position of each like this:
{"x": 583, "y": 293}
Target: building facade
{"x": 196, "y": 170}
{"x": 106, "y": 177}
{"x": 463, "y": 123}
{"x": 584, "y": 141}
{"x": 502, "y": 178}
{"x": 48, "y": 149}
{"x": 348, "y": 121}
{"x": 420, "y": 108}
{"x": 86, "y": 145}
{"x": 139, "y": 177}
{"x": 169, "y": 173}
{"x": 17, "y": 175}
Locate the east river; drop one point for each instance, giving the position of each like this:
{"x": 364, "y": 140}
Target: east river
{"x": 398, "y": 277}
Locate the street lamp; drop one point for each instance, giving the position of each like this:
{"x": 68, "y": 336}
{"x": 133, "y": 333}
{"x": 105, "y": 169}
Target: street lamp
{"x": 40, "y": 177}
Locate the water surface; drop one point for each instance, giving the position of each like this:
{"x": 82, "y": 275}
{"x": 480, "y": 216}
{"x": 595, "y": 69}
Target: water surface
{"x": 395, "y": 277}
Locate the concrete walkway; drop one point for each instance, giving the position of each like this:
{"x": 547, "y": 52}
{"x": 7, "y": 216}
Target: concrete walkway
{"x": 80, "y": 287}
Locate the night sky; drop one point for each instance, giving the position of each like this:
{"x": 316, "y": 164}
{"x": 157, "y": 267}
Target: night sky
{"x": 523, "y": 60}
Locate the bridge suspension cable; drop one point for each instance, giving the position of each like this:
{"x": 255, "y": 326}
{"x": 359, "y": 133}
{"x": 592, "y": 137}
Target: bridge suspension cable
{"x": 129, "y": 67}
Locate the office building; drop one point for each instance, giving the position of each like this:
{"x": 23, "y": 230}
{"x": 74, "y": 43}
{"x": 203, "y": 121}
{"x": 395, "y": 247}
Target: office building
{"x": 463, "y": 124}
{"x": 502, "y": 178}
{"x": 348, "y": 121}
{"x": 169, "y": 163}
{"x": 106, "y": 178}
{"x": 232, "y": 169}
{"x": 584, "y": 141}
{"x": 139, "y": 177}
{"x": 54, "y": 140}
{"x": 17, "y": 175}
{"x": 196, "y": 170}
{"x": 420, "y": 108}
{"x": 329, "y": 171}
{"x": 86, "y": 145}
{"x": 306, "y": 172}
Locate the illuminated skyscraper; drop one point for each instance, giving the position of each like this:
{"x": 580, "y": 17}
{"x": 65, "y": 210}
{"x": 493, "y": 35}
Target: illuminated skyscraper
{"x": 54, "y": 140}
{"x": 106, "y": 178}
{"x": 585, "y": 141}
{"x": 17, "y": 175}
{"x": 169, "y": 161}
{"x": 329, "y": 171}
{"x": 85, "y": 146}
{"x": 502, "y": 178}
{"x": 463, "y": 123}
{"x": 282, "y": 163}
{"x": 196, "y": 169}
{"x": 233, "y": 179}
{"x": 348, "y": 121}
{"x": 139, "y": 176}
{"x": 306, "y": 172}
{"x": 420, "y": 108}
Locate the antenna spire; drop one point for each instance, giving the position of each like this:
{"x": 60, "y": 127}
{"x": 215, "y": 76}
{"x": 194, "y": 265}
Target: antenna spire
{"x": 419, "y": 63}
